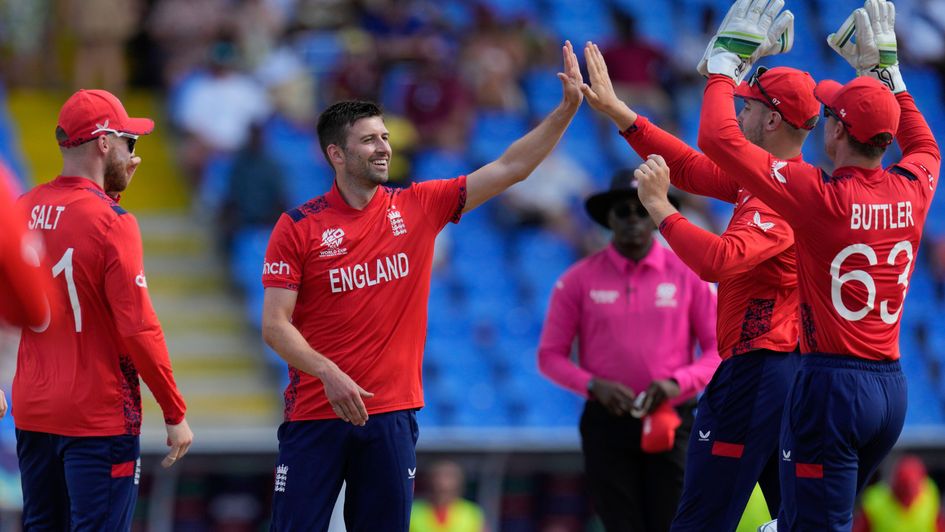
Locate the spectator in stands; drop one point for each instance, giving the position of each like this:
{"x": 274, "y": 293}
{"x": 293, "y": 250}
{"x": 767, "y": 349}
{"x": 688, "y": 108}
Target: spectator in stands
{"x": 184, "y": 30}
{"x": 102, "y": 28}
{"x": 637, "y": 313}
{"x": 256, "y": 194}
{"x": 437, "y": 103}
{"x": 358, "y": 74}
{"x": 908, "y": 503}
{"x": 216, "y": 112}
{"x": 639, "y": 69}
{"x": 444, "y": 509}
{"x": 924, "y": 43}
{"x": 493, "y": 60}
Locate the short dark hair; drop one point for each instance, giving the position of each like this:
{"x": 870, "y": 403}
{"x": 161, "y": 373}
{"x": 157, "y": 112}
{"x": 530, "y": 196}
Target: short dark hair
{"x": 61, "y": 135}
{"x": 334, "y": 122}
{"x": 876, "y": 147}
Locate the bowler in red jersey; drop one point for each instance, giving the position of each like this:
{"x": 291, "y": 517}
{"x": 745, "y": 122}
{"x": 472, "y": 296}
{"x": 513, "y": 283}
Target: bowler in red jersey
{"x": 347, "y": 279}
{"x": 76, "y": 395}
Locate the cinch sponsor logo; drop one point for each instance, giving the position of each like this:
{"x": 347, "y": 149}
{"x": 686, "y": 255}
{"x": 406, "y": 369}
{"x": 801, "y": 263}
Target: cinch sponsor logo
{"x": 276, "y": 268}
{"x": 382, "y": 270}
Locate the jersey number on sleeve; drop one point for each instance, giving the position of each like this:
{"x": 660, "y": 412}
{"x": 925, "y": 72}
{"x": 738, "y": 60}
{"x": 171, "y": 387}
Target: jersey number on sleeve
{"x": 867, "y": 280}
{"x": 65, "y": 266}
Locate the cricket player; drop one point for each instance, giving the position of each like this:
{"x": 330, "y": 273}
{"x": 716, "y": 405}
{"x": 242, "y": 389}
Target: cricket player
{"x": 76, "y": 395}
{"x": 735, "y": 441}
{"x": 347, "y": 278}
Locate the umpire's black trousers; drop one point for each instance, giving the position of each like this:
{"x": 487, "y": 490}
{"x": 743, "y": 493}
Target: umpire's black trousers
{"x": 632, "y": 491}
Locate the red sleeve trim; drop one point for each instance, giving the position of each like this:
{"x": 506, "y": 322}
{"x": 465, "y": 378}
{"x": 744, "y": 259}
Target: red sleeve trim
{"x": 279, "y": 283}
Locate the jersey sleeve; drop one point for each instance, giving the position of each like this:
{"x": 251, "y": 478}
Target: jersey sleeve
{"x": 558, "y": 333}
{"x": 23, "y": 286}
{"x": 788, "y": 187}
{"x": 126, "y": 289}
{"x": 285, "y": 256}
{"x": 689, "y": 170}
{"x": 693, "y": 377}
{"x": 920, "y": 153}
{"x": 756, "y": 236}
{"x": 442, "y": 200}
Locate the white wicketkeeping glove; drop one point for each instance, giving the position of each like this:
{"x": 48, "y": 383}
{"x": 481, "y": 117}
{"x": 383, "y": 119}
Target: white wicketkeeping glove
{"x": 751, "y": 29}
{"x": 874, "y": 52}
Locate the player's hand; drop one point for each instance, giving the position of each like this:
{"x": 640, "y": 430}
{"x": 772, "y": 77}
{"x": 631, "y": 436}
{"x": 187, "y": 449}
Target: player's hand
{"x": 616, "y": 398}
{"x": 3, "y": 404}
{"x": 179, "y": 439}
{"x": 653, "y": 181}
{"x": 345, "y": 396}
{"x": 658, "y": 392}
{"x": 875, "y": 51}
{"x": 571, "y": 79}
{"x": 751, "y": 29}
{"x": 600, "y": 93}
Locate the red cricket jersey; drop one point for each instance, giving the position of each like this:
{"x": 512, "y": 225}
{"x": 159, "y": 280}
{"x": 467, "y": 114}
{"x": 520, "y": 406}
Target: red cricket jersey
{"x": 22, "y": 285}
{"x": 857, "y": 231}
{"x": 77, "y": 374}
{"x": 363, "y": 281}
{"x": 753, "y": 260}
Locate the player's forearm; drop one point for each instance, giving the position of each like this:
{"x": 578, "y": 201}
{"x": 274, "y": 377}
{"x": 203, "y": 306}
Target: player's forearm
{"x": 914, "y": 135}
{"x": 148, "y": 352}
{"x": 526, "y": 153}
{"x": 689, "y": 170}
{"x": 288, "y": 343}
{"x": 621, "y": 115}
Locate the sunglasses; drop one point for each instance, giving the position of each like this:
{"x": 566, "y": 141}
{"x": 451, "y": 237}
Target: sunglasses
{"x": 130, "y": 138}
{"x": 828, "y": 112}
{"x": 755, "y": 81}
{"x": 623, "y": 210}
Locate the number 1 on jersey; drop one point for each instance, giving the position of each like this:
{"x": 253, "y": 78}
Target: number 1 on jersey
{"x": 65, "y": 266}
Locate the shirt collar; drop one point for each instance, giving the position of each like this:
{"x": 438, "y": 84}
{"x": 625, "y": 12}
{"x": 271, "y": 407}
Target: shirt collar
{"x": 655, "y": 259}
{"x": 336, "y": 200}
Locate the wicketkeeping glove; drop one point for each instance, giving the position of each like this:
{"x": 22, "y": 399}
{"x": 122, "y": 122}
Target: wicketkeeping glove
{"x": 874, "y": 52}
{"x": 751, "y": 29}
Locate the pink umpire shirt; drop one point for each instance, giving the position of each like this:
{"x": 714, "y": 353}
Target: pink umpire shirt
{"x": 635, "y": 322}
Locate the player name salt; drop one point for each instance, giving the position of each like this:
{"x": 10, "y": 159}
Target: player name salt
{"x": 383, "y": 270}
{"x": 41, "y": 217}
{"x": 880, "y": 216}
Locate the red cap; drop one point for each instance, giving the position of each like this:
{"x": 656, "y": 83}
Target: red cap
{"x": 786, "y": 90}
{"x": 659, "y": 429}
{"x": 89, "y": 114}
{"x": 865, "y": 106}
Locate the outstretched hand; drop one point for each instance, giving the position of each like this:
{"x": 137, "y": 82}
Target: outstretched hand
{"x": 571, "y": 79}
{"x": 751, "y": 29}
{"x": 873, "y": 51}
{"x": 600, "y": 93}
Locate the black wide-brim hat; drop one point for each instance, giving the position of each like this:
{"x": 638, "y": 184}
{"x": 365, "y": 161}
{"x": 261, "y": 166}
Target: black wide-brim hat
{"x": 623, "y": 185}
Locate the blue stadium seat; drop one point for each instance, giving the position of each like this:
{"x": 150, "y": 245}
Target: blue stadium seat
{"x": 493, "y": 132}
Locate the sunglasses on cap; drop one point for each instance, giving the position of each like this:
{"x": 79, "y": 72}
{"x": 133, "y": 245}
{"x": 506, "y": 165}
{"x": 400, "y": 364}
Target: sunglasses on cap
{"x": 755, "y": 81}
{"x": 130, "y": 138}
{"x": 828, "y": 112}
{"x": 623, "y": 210}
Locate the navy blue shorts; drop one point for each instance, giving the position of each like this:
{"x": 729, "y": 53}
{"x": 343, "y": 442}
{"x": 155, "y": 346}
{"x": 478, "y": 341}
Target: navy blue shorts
{"x": 734, "y": 442}
{"x": 842, "y": 417}
{"x": 378, "y": 461}
{"x": 78, "y": 483}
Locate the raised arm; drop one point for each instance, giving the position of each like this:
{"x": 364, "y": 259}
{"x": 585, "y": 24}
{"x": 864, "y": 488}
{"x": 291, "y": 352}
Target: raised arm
{"x": 756, "y": 236}
{"x": 690, "y": 170}
{"x": 524, "y": 155}
{"x": 916, "y": 140}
